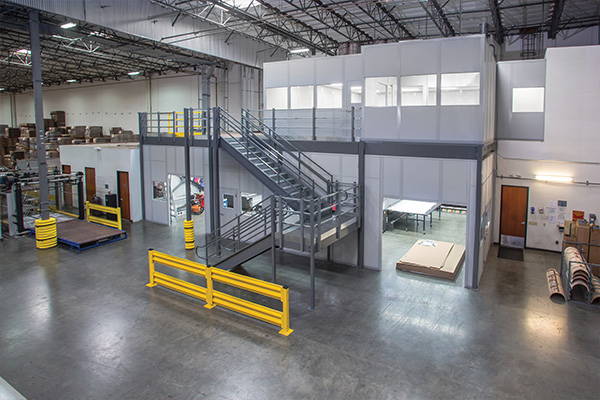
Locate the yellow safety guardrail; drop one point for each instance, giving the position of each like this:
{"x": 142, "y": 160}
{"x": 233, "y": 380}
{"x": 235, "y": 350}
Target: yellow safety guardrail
{"x": 175, "y": 126}
{"x": 99, "y": 220}
{"x": 214, "y": 297}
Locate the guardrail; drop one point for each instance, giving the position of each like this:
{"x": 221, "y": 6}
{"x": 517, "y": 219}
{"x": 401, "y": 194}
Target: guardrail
{"x": 89, "y": 207}
{"x": 214, "y": 297}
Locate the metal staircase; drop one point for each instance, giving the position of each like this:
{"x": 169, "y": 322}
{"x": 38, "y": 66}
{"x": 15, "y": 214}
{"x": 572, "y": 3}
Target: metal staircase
{"x": 307, "y": 212}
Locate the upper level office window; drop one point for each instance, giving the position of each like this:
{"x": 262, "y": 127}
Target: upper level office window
{"x": 381, "y": 92}
{"x": 329, "y": 96}
{"x": 356, "y": 94}
{"x": 302, "y": 97}
{"x": 276, "y": 98}
{"x": 460, "y": 89}
{"x": 418, "y": 90}
{"x": 528, "y": 99}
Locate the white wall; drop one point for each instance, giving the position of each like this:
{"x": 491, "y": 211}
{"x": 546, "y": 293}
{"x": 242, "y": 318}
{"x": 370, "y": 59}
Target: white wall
{"x": 5, "y": 110}
{"x": 117, "y": 104}
{"x": 542, "y": 231}
{"x": 570, "y": 146}
{"x": 107, "y": 161}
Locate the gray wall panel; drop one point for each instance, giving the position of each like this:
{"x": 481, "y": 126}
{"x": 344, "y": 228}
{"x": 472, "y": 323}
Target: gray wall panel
{"x": 519, "y": 74}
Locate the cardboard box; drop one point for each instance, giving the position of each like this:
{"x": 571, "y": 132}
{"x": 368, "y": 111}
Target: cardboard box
{"x": 582, "y": 236}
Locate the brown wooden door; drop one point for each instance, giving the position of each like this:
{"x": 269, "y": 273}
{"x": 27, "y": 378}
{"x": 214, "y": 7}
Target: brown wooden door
{"x": 90, "y": 183}
{"x": 513, "y": 215}
{"x": 67, "y": 190}
{"x": 123, "y": 192}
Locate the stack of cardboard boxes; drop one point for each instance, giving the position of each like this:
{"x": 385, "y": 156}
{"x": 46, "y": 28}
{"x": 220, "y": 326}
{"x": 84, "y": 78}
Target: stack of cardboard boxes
{"x": 20, "y": 143}
{"x": 586, "y": 237}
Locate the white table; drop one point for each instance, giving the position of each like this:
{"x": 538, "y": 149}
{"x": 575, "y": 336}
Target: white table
{"x": 419, "y": 210}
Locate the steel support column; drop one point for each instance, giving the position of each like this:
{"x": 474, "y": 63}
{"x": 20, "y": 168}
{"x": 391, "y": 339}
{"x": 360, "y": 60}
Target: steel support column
{"x": 36, "y": 72}
{"x": 473, "y": 279}
{"x": 142, "y": 124}
{"x": 187, "y": 113}
{"x": 360, "y": 251}
{"x": 215, "y": 220}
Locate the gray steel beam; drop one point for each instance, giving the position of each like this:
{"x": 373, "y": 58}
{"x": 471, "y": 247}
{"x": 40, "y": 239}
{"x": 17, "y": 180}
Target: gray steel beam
{"x": 436, "y": 14}
{"x": 497, "y": 19}
{"x": 142, "y": 133}
{"x": 557, "y": 10}
{"x": 361, "y": 187}
{"x": 473, "y": 278}
{"x": 36, "y": 72}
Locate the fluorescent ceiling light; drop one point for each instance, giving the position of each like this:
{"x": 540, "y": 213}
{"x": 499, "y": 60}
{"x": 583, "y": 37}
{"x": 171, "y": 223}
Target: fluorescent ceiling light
{"x": 298, "y": 51}
{"x": 71, "y": 80}
{"x": 2, "y": 89}
{"x": 554, "y": 178}
{"x": 68, "y": 25}
{"x": 134, "y": 73}
{"x": 23, "y": 51}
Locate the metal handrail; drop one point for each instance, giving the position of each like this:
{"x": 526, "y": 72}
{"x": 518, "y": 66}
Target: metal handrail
{"x": 271, "y": 152}
{"x": 291, "y": 147}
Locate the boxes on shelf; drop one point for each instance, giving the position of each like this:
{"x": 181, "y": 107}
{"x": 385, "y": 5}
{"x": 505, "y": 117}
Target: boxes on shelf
{"x": 77, "y": 132}
{"x": 59, "y": 117}
{"x": 93, "y": 132}
{"x": 12, "y": 132}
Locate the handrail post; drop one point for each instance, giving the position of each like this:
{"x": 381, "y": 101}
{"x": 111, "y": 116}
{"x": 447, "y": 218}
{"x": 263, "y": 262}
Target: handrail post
{"x": 312, "y": 254}
{"x": 285, "y": 312}
{"x": 239, "y": 233}
{"x": 302, "y": 223}
{"x": 273, "y": 119}
{"x": 352, "y": 129}
{"x": 273, "y": 212}
{"x": 158, "y": 123}
{"x": 209, "y": 288}
{"x": 151, "y": 282}
{"x": 314, "y": 123}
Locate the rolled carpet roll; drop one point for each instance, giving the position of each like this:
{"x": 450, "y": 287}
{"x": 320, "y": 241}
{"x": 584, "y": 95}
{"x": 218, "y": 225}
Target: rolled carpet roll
{"x": 555, "y": 287}
{"x": 580, "y": 279}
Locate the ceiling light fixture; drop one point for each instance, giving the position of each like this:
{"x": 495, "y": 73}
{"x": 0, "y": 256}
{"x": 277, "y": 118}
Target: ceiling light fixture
{"x": 23, "y": 51}
{"x": 299, "y": 51}
{"x": 68, "y": 25}
{"x": 2, "y": 89}
{"x": 554, "y": 178}
{"x": 134, "y": 73}
{"x": 71, "y": 80}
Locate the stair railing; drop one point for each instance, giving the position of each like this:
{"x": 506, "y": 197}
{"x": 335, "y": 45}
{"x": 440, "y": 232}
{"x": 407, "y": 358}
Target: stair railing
{"x": 274, "y": 155}
{"x": 303, "y": 160}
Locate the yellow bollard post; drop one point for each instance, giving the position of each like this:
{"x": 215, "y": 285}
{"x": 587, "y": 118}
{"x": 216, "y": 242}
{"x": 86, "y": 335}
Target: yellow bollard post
{"x": 151, "y": 282}
{"x": 45, "y": 233}
{"x": 188, "y": 235}
{"x": 209, "y": 289}
{"x": 285, "y": 318}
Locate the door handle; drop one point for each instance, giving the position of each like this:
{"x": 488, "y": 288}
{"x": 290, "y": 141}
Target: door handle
{"x": 522, "y": 222}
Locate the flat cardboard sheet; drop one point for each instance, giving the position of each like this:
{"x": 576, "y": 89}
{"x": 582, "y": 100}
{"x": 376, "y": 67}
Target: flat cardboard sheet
{"x": 433, "y": 258}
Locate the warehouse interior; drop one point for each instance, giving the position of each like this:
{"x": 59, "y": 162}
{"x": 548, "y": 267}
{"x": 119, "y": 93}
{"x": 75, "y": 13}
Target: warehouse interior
{"x": 232, "y": 199}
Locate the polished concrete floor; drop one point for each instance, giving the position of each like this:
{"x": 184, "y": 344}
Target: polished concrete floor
{"x": 445, "y": 227}
{"x": 84, "y": 326}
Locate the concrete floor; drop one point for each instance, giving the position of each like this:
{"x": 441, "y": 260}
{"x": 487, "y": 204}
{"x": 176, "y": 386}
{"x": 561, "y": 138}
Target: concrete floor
{"x": 84, "y": 326}
{"x": 396, "y": 242}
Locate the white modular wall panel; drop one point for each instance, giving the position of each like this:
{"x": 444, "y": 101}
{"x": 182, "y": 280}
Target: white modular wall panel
{"x": 353, "y": 68}
{"x": 155, "y": 170}
{"x": 381, "y": 60}
{"x": 302, "y": 72}
{"x": 330, "y": 70}
{"x": 461, "y": 54}
{"x": 176, "y": 93}
{"x": 276, "y": 74}
{"x": 519, "y": 74}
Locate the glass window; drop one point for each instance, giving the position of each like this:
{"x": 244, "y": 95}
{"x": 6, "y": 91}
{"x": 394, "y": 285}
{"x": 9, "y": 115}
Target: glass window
{"x": 355, "y": 94}
{"x": 302, "y": 97}
{"x": 381, "y": 92}
{"x": 329, "y": 96}
{"x": 528, "y": 99}
{"x": 460, "y": 89}
{"x": 276, "y": 98}
{"x": 418, "y": 90}
{"x": 227, "y": 201}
